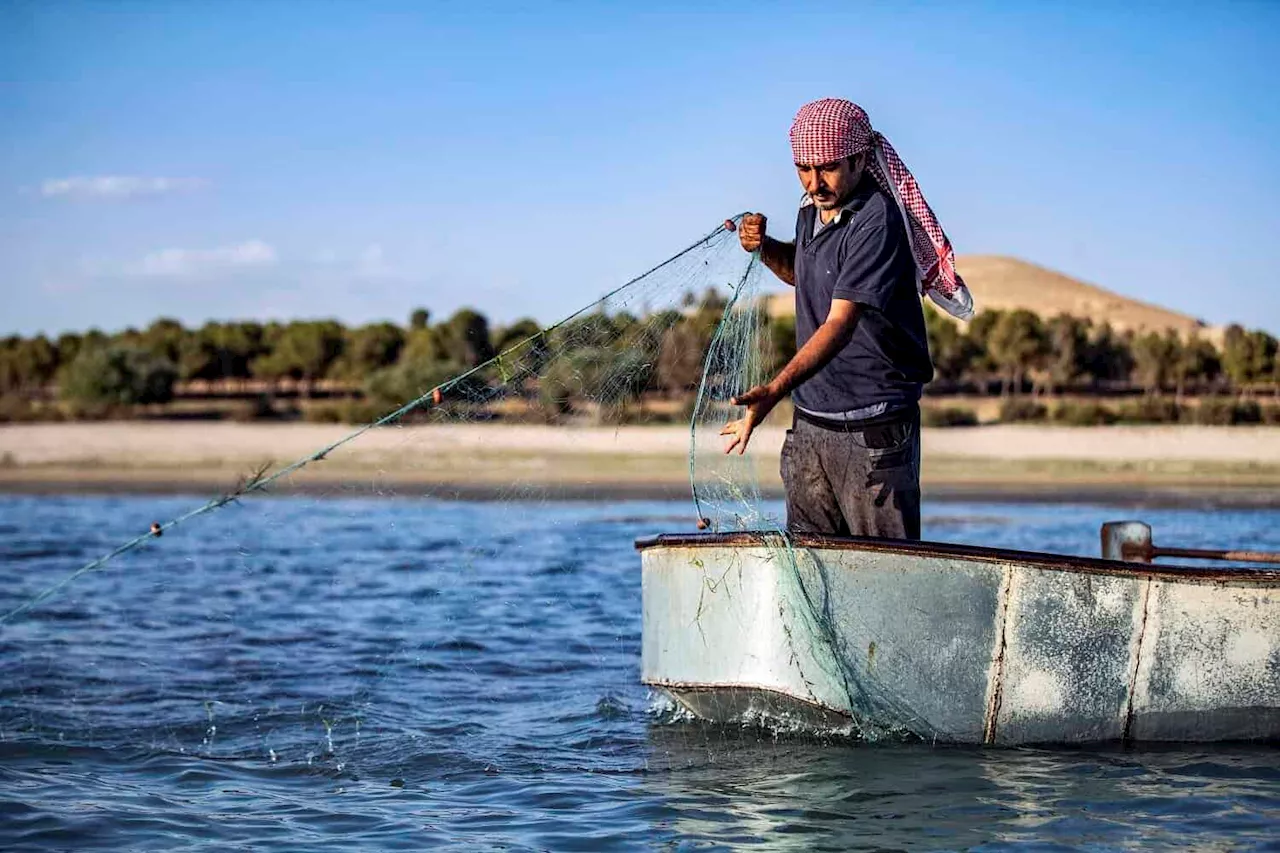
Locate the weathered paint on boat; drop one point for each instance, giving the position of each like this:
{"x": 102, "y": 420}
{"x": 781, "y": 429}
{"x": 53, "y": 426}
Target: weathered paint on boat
{"x": 959, "y": 644}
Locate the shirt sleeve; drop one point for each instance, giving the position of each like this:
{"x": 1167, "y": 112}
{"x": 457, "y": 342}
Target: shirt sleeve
{"x": 871, "y": 262}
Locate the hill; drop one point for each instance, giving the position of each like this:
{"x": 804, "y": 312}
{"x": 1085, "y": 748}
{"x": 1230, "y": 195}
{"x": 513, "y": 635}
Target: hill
{"x": 1006, "y": 283}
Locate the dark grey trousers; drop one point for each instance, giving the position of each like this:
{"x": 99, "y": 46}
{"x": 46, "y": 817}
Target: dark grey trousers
{"x": 854, "y": 481}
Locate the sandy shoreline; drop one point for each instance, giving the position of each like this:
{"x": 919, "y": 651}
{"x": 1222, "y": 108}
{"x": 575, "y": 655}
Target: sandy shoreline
{"x": 1165, "y": 464}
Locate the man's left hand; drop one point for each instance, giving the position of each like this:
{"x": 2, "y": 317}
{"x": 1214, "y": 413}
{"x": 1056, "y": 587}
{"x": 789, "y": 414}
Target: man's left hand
{"x": 759, "y": 401}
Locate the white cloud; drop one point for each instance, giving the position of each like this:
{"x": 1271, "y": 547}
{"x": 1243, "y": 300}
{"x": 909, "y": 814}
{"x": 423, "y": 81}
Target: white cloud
{"x": 373, "y": 263}
{"x": 185, "y": 263}
{"x": 370, "y": 262}
{"x": 116, "y": 186}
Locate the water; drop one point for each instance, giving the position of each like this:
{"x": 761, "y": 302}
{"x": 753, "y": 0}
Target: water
{"x": 302, "y": 674}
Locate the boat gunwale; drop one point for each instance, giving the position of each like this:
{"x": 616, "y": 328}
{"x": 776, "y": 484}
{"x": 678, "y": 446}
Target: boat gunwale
{"x": 1032, "y": 559}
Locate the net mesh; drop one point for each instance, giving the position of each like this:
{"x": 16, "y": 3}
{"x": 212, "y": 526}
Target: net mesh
{"x": 692, "y": 328}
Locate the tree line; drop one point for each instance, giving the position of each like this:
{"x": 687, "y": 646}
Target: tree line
{"x": 1010, "y": 353}
{"x": 1021, "y": 352}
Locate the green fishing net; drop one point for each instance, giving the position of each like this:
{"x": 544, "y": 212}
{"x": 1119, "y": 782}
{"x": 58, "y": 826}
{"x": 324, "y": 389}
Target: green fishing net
{"x": 675, "y": 345}
{"x": 693, "y": 328}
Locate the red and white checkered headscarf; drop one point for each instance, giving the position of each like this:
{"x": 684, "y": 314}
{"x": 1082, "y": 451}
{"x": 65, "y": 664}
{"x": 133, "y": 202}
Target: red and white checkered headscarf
{"x": 832, "y": 129}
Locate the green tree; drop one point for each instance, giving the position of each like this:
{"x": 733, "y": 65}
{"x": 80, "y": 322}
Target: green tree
{"x": 1263, "y": 349}
{"x": 422, "y": 346}
{"x": 1248, "y": 357}
{"x": 118, "y": 375}
{"x": 1108, "y": 356}
{"x": 164, "y": 338}
{"x": 681, "y": 357}
{"x": 10, "y": 378}
{"x": 522, "y": 352}
{"x": 464, "y": 338}
{"x": 952, "y": 351}
{"x": 508, "y": 336}
{"x": 27, "y": 364}
{"x": 781, "y": 338}
{"x": 222, "y": 351}
{"x": 1198, "y": 363}
{"x": 368, "y": 349}
{"x": 608, "y": 379}
{"x": 1018, "y": 345}
{"x": 302, "y": 350}
{"x": 982, "y": 364}
{"x": 684, "y": 345}
{"x": 1068, "y": 344}
{"x": 1155, "y": 359}
{"x": 419, "y": 319}
{"x": 410, "y": 379}
{"x": 1237, "y": 356}
{"x": 68, "y": 347}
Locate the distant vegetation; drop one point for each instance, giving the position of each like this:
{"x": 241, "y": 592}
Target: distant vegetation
{"x": 1064, "y": 370}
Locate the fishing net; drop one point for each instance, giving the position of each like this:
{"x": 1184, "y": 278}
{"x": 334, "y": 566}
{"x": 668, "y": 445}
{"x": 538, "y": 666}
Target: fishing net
{"x": 692, "y": 328}
{"x": 562, "y": 411}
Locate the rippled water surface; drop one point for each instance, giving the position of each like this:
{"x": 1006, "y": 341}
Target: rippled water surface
{"x": 302, "y": 674}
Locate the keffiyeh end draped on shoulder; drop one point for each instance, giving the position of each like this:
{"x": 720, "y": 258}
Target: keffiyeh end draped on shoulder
{"x": 832, "y": 129}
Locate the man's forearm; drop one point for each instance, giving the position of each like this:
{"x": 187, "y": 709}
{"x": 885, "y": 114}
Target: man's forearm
{"x": 829, "y": 339}
{"x": 779, "y": 257}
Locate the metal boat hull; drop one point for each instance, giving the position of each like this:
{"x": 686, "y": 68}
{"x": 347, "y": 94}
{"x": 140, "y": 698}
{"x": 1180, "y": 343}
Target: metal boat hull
{"x": 957, "y": 644}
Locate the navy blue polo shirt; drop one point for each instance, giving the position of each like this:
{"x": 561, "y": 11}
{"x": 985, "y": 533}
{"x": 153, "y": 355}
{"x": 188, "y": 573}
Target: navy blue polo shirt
{"x": 863, "y": 256}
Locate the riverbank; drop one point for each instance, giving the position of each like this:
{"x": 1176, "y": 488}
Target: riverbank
{"x": 1238, "y": 465}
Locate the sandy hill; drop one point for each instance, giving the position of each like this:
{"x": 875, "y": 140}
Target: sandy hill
{"x": 1007, "y": 283}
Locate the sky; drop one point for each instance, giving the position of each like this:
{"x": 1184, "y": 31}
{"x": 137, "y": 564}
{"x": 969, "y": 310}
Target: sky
{"x": 234, "y": 160}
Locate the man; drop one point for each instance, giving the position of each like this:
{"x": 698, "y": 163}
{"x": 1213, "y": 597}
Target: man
{"x": 866, "y": 247}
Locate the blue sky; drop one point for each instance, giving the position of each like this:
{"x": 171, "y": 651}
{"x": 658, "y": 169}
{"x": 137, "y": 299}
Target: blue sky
{"x": 354, "y": 160}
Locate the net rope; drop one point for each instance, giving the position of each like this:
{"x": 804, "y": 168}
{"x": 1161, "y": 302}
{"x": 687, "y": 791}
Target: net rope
{"x": 679, "y": 342}
{"x": 602, "y": 354}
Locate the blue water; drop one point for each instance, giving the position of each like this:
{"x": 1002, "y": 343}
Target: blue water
{"x": 304, "y": 674}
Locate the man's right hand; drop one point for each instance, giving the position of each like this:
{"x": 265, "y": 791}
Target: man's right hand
{"x": 781, "y": 257}
{"x": 751, "y": 231}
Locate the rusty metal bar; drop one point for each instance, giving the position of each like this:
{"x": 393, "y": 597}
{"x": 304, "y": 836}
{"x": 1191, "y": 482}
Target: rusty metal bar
{"x": 1212, "y": 554}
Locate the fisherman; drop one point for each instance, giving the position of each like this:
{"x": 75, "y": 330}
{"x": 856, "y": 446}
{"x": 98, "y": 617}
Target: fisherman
{"x": 867, "y": 247}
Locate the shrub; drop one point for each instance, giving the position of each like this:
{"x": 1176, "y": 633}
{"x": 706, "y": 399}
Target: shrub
{"x": 14, "y": 409}
{"x": 948, "y": 416}
{"x": 323, "y": 413}
{"x": 354, "y": 412}
{"x": 361, "y": 412}
{"x": 1150, "y": 410}
{"x": 1246, "y": 412}
{"x": 1018, "y": 410}
{"x": 111, "y": 377}
{"x": 1271, "y": 415}
{"x": 394, "y": 386}
{"x": 1083, "y": 414}
{"x": 1227, "y": 413}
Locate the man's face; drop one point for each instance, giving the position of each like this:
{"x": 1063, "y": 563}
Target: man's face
{"x": 829, "y": 184}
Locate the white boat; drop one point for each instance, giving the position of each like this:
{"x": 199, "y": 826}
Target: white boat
{"x": 960, "y": 644}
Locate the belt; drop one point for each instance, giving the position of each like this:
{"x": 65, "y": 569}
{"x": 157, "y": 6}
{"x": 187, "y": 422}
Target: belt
{"x": 909, "y": 412}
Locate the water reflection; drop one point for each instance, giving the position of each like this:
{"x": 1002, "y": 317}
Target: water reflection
{"x": 744, "y": 787}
